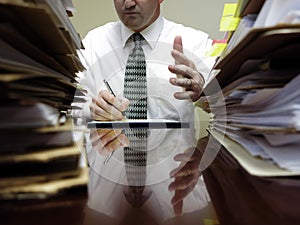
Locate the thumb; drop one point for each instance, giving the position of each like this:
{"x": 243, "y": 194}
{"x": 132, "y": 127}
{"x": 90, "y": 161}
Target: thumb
{"x": 177, "y": 45}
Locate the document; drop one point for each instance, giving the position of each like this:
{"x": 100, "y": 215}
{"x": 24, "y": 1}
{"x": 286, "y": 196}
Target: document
{"x": 59, "y": 9}
{"x": 254, "y": 165}
{"x": 33, "y": 114}
{"x": 276, "y": 12}
{"x": 40, "y": 155}
{"x": 262, "y": 115}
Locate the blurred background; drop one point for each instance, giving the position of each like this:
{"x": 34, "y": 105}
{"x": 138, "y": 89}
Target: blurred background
{"x": 201, "y": 14}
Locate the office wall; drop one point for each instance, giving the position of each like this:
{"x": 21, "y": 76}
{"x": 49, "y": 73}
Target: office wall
{"x": 201, "y": 14}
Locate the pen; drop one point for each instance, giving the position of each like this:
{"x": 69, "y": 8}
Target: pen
{"x": 112, "y": 92}
{"x": 109, "y": 88}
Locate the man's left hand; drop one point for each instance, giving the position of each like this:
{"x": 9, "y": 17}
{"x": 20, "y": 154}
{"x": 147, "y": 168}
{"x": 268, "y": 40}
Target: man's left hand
{"x": 188, "y": 77}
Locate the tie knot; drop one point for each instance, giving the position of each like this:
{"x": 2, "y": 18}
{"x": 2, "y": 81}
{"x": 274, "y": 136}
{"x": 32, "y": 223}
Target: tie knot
{"x": 137, "y": 38}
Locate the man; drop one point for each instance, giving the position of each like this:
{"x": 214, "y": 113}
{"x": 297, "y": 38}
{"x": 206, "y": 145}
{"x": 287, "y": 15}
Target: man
{"x": 176, "y": 69}
{"x": 107, "y": 49}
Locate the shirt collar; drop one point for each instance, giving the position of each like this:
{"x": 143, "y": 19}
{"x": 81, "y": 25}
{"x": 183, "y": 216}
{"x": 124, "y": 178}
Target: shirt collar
{"x": 151, "y": 33}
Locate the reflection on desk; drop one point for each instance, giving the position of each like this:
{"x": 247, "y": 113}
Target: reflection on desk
{"x": 174, "y": 191}
{"x": 242, "y": 198}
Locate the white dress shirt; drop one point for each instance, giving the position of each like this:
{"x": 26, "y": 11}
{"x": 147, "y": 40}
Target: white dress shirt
{"x": 106, "y": 51}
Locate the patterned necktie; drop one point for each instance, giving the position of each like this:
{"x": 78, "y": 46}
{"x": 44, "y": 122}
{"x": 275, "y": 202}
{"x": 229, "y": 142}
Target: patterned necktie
{"x": 135, "y": 155}
{"x": 135, "y": 83}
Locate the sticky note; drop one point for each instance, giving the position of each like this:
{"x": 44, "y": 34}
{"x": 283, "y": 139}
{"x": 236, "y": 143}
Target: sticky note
{"x": 228, "y": 21}
{"x": 210, "y": 222}
{"x": 216, "y": 49}
{"x": 229, "y": 9}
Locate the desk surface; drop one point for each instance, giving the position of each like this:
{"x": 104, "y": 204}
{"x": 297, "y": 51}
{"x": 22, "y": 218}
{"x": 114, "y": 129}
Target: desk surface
{"x": 227, "y": 194}
{"x": 108, "y": 200}
{"x": 240, "y": 198}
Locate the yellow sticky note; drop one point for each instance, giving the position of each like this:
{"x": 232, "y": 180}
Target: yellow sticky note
{"x": 228, "y": 21}
{"x": 216, "y": 49}
{"x": 229, "y": 9}
{"x": 211, "y": 222}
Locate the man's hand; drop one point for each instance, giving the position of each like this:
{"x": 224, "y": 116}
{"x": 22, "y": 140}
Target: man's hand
{"x": 186, "y": 177}
{"x": 108, "y": 107}
{"x": 188, "y": 76}
{"x": 106, "y": 141}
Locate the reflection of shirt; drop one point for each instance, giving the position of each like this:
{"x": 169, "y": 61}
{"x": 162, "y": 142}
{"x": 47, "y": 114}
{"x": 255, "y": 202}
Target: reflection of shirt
{"x": 106, "y": 181}
{"x": 107, "y": 49}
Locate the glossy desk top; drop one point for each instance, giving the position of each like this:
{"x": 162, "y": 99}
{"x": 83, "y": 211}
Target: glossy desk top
{"x": 173, "y": 192}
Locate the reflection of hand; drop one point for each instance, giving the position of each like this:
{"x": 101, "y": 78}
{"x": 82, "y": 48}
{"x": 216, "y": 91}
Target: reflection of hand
{"x": 107, "y": 140}
{"x": 186, "y": 177}
{"x": 188, "y": 76}
{"x": 108, "y": 107}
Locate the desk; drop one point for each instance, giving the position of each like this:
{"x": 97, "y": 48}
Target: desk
{"x": 59, "y": 210}
{"x": 242, "y": 199}
{"x": 105, "y": 202}
{"x": 108, "y": 183}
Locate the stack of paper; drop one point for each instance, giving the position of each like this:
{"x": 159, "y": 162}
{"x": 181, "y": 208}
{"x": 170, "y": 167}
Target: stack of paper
{"x": 254, "y": 97}
{"x": 273, "y": 13}
{"x": 276, "y": 12}
{"x": 254, "y": 143}
{"x": 40, "y": 155}
{"x": 261, "y": 111}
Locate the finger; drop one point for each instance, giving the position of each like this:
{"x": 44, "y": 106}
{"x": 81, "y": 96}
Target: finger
{"x": 177, "y": 44}
{"x": 185, "y": 160}
{"x": 102, "y": 132}
{"x": 114, "y": 113}
{"x": 182, "y": 82}
{"x": 97, "y": 144}
{"x": 111, "y": 135}
{"x": 104, "y": 108}
{"x": 185, "y": 95}
{"x": 107, "y": 140}
{"x": 93, "y": 135}
{"x": 184, "y": 182}
{"x": 97, "y": 112}
{"x": 182, "y": 59}
{"x": 120, "y": 141}
{"x": 192, "y": 94}
{"x": 120, "y": 103}
{"x": 178, "y": 47}
{"x": 173, "y": 173}
{"x": 96, "y": 138}
{"x": 177, "y": 208}
{"x": 186, "y": 170}
{"x": 181, "y": 194}
{"x": 185, "y": 71}
{"x": 188, "y": 155}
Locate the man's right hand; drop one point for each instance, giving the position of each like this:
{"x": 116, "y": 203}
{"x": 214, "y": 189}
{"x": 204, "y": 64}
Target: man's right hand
{"x": 106, "y": 141}
{"x": 108, "y": 107}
